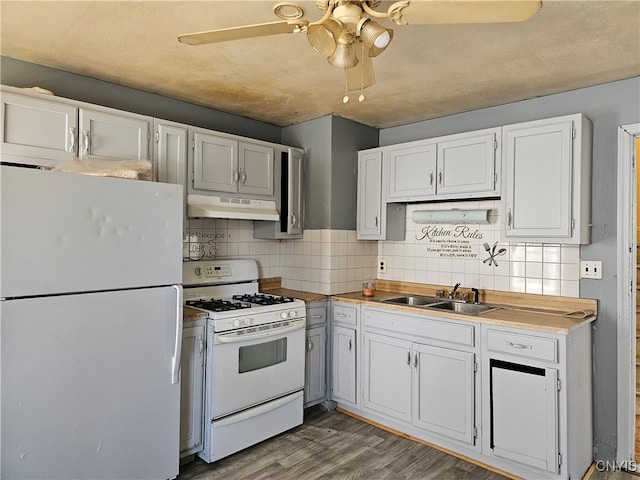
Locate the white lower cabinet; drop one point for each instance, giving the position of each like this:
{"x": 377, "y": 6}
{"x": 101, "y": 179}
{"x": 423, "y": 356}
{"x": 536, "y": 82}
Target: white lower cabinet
{"x": 315, "y": 365}
{"x": 518, "y": 400}
{"x": 344, "y": 320}
{"x": 429, "y": 386}
{"x": 192, "y": 388}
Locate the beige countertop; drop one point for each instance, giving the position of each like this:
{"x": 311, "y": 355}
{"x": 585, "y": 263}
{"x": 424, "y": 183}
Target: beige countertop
{"x": 551, "y": 319}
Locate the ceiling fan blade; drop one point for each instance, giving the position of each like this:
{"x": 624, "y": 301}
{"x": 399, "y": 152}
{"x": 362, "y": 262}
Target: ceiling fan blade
{"x": 238, "y": 33}
{"x": 424, "y": 12}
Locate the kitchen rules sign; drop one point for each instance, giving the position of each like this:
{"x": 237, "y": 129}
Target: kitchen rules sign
{"x": 451, "y": 241}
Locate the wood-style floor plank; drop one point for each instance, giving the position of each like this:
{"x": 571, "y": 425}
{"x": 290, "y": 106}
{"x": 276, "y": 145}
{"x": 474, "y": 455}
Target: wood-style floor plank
{"x": 335, "y": 446}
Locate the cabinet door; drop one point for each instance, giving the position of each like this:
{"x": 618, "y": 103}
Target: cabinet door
{"x": 255, "y": 169}
{"x": 192, "y": 383}
{"x": 113, "y": 135}
{"x": 444, "y": 392}
{"x": 294, "y": 191}
{"x": 38, "y": 128}
{"x": 538, "y": 179}
{"x": 412, "y": 172}
{"x": 215, "y": 163}
{"x": 467, "y": 163}
{"x": 369, "y": 203}
{"x": 171, "y": 152}
{"x": 343, "y": 372}
{"x": 387, "y": 375}
{"x": 314, "y": 385}
{"x": 524, "y": 414}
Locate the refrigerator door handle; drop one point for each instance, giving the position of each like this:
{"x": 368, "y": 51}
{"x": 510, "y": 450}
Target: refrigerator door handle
{"x": 177, "y": 348}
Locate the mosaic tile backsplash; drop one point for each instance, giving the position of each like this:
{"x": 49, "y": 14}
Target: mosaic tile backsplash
{"x": 333, "y": 261}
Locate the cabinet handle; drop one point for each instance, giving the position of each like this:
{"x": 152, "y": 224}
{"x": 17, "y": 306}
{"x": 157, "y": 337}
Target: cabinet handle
{"x": 342, "y": 314}
{"x": 415, "y": 360}
{"x": 509, "y": 218}
{"x": 409, "y": 358}
{"x": 243, "y": 176}
{"x": 519, "y": 345}
{"x": 236, "y": 176}
{"x": 431, "y": 179}
{"x": 350, "y": 345}
{"x": 72, "y": 143}
{"x": 309, "y": 345}
{"x": 293, "y": 219}
{"x": 316, "y": 316}
{"x": 440, "y": 177}
{"x": 376, "y": 219}
{"x": 201, "y": 342}
{"x": 85, "y": 141}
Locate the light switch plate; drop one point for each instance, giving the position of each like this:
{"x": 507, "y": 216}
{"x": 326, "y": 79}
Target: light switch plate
{"x": 591, "y": 269}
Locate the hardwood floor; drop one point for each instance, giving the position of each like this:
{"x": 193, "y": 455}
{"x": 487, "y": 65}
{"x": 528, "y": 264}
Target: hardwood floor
{"x": 334, "y": 446}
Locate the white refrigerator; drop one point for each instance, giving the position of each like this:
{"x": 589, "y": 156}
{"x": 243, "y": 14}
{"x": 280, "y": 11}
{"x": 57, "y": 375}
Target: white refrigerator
{"x": 90, "y": 326}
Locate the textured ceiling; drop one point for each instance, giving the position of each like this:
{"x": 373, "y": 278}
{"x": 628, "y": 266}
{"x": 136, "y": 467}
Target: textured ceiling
{"x": 427, "y": 72}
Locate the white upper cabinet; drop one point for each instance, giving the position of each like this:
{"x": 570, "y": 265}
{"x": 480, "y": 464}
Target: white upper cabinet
{"x": 547, "y": 181}
{"x": 112, "y": 134}
{"x": 224, "y": 164}
{"x": 376, "y": 219}
{"x": 466, "y": 165}
{"x": 171, "y": 153}
{"x": 412, "y": 171}
{"x": 40, "y": 129}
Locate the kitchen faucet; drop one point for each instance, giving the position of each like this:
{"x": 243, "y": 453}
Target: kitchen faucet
{"x": 453, "y": 292}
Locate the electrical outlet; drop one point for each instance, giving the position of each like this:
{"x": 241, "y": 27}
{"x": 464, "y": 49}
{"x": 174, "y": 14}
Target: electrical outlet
{"x": 591, "y": 269}
{"x": 382, "y": 265}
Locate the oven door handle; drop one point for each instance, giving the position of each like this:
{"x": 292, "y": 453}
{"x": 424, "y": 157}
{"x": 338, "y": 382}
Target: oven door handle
{"x": 233, "y": 338}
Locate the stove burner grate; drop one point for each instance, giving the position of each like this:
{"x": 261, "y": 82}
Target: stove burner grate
{"x": 214, "y": 305}
{"x": 263, "y": 299}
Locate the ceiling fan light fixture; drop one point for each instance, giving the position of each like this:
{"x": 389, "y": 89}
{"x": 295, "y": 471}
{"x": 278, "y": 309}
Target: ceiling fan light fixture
{"x": 375, "y": 37}
{"x": 344, "y": 56}
{"x": 324, "y": 37}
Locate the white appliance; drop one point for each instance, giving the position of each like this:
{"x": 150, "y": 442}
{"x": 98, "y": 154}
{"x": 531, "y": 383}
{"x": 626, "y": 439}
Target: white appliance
{"x": 255, "y": 358}
{"x": 90, "y": 326}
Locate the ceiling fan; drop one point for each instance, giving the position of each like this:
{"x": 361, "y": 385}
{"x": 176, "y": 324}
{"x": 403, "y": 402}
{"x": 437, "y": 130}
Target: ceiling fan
{"x": 348, "y": 37}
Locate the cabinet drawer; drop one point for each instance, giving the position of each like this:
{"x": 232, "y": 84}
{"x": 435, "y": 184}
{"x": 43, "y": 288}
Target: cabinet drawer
{"x": 420, "y": 328}
{"x": 345, "y": 314}
{"x": 316, "y": 314}
{"x": 523, "y": 345}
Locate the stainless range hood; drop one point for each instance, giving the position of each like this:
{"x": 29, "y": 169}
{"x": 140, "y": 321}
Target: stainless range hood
{"x": 230, "y": 207}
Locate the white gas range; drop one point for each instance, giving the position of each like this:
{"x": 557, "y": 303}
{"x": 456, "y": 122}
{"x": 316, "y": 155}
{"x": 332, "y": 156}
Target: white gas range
{"x": 255, "y": 355}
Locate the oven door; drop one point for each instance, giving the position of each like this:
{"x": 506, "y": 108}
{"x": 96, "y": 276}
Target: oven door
{"x": 253, "y": 365}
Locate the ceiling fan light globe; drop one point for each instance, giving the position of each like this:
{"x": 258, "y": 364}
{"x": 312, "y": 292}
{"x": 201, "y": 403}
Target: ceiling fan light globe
{"x": 382, "y": 40}
{"x": 344, "y": 56}
{"x": 324, "y": 37}
{"x": 375, "y": 37}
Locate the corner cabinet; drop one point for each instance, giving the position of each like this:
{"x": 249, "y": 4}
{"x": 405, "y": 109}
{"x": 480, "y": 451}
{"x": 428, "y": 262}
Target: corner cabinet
{"x": 376, "y": 219}
{"x": 40, "y": 129}
{"x": 228, "y": 165}
{"x": 547, "y": 181}
{"x": 170, "y": 154}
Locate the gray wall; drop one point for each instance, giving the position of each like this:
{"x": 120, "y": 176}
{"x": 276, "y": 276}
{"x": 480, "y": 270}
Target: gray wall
{"x": 16, "y": 73}
{"x": 331, "y": 144}
{"x": 608, "y": 106}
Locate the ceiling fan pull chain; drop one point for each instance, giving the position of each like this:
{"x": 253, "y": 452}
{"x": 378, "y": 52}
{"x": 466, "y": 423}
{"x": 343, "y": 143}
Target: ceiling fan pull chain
{"x": 345, "y": 99}
{"x": 362, "y": 97}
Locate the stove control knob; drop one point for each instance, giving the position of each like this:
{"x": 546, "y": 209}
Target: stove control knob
{"x": 237, "y": 322}
{"x": 292, "y": 314}
{"x": 283, "y": 315}
{"x": 247, "y": 321}
{"x": 198, "y": 271}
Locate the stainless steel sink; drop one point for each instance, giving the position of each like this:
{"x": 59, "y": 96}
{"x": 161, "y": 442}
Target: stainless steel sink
{"x": 415, "y": 301}
{"x": 466, "y": 308}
